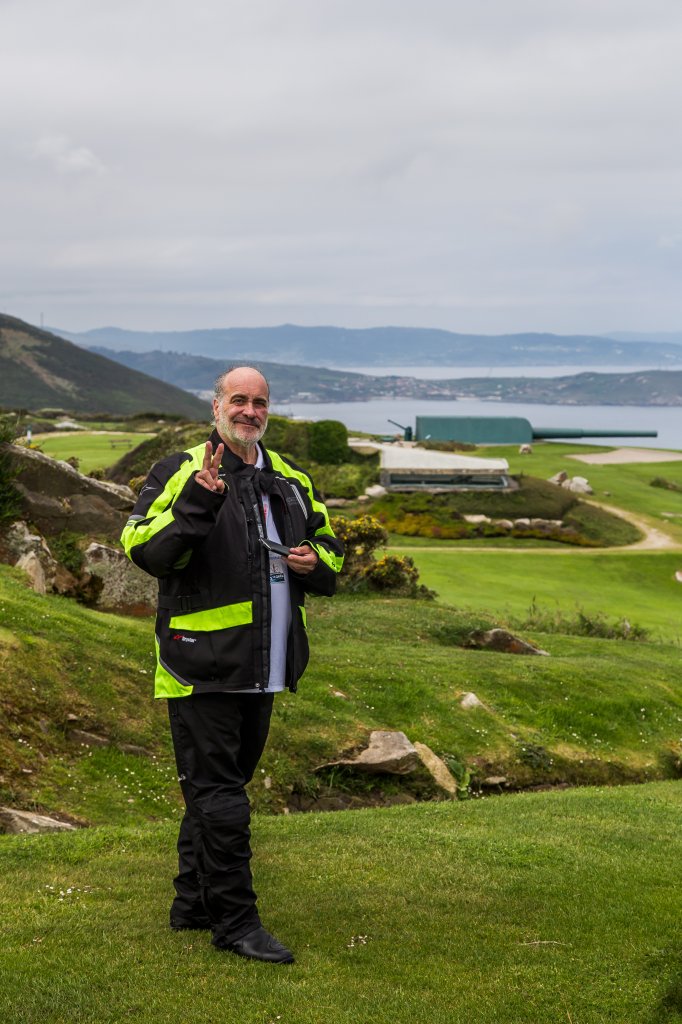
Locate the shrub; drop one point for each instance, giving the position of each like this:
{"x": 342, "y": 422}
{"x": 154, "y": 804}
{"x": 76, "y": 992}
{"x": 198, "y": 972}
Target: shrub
{"x": 397, "y": 574}
{"x": 667, "y": 485}
{"x": 581, "y": 623}
{"x": 10, "y": 499}
{"x": 361, "y": 571}
{"x": 328, "y": 442}
{"x": 345, "y": 481}
{"x": 65, "y": 547}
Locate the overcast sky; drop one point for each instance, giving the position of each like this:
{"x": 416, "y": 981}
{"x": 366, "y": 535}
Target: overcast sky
{"x": 477, "y": 165}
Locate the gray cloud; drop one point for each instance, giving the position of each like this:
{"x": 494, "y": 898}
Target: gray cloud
{"x": 483, "y": 166}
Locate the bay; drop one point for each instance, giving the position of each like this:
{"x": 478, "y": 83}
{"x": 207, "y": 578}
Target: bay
{"x": 373, "y": 417}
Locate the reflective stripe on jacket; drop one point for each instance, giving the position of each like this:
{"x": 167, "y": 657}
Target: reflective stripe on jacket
{"x": 213, "y": 619}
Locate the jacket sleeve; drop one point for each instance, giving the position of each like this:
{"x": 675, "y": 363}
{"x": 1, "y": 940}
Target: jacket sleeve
{"x": 323, "y": 541}
{"x": 172, "y": 515}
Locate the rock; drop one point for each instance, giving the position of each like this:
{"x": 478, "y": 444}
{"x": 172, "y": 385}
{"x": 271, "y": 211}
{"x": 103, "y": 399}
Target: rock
{"x": 578, "y": 485}
{"x": 525, "y": 449}
{"x": 389, "y": 753}
{"x": 19, "y": 540}
{"x": 558, "y": 478}
{"x": 504, "y": 524}
{"x": 439, "y": 771}
{"x": 375, "y": 491}
{"x": 523, "y": 524}
{"x": 476, "y": 519}
{"x": 88, "y": 739}
{"x": 503, "y": 641}
{"x": 495, "y": 780}
{"x": 57, "y": 497}
{"x": 470, "y": 700}
{"x": 30, "y": 564}
{"x": 125, "y": 588}
{"x": 363, "y": 498}
{"x": 16, "y": 822}
{"x": 336, "y": 502}
{"x": 678, "y": 575}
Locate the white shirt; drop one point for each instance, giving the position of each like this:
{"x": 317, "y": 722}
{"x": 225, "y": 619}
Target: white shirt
{"x": 280, "y": 605}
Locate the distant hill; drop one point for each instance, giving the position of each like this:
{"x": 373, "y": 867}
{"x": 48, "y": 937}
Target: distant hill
{"x": 674, "y": 337}
{"x": 40, "y": 370}
{"x": 318, "y": 384}
{"x": 385, "y": 346}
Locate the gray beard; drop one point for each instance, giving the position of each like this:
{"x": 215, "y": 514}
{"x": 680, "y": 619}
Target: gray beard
{"x": 233, "y": 433}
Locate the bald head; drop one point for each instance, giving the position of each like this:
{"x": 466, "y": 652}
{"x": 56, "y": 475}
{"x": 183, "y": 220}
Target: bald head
{"x": 240, "y": 408}
{"x": 221, "y": 382}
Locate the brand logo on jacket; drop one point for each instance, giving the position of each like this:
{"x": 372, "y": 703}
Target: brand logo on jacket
{"x": 185, "y": 639}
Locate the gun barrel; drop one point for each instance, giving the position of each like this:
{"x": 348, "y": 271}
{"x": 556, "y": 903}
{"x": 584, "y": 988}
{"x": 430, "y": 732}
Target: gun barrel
{"x": 548, "y": 433}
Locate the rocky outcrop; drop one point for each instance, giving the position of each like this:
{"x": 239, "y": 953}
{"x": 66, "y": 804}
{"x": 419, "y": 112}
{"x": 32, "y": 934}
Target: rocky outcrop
{"x": 109, "y": 581}
{"x": 30, "y": 552}
{"x": 56, "y": 497}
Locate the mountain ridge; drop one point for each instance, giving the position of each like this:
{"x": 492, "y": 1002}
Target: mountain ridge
{"x": 381, "y": 346}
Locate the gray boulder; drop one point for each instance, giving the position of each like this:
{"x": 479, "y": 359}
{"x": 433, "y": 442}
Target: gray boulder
{"x": 438, "y": 770}
{"x": 389, "y": 753}
{"x": 125, "y": 588}
{"x": 578, "y": 485}
{"x": 16, "y": 822}
{"x": 470, "y": 700}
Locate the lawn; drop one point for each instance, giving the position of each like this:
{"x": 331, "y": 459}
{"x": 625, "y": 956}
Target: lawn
{"x": 627, "y": 485}
{"x": 639, "y": 586}
{"x": 553, "y": 907}
{"x": 93, "y": 450}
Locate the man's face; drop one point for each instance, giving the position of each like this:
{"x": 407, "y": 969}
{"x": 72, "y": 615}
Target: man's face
{"x": 241, "y": 414}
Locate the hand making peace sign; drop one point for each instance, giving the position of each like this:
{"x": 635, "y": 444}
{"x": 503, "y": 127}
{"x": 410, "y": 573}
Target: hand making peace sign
{"x": 208, "y": 474}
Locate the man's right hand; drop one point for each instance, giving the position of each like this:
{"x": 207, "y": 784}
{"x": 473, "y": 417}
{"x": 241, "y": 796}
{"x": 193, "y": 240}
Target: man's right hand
{"x": 208, "y": 474}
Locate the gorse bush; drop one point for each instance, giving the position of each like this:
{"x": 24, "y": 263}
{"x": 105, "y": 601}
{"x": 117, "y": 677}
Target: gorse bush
{"x": 362, "y": 571}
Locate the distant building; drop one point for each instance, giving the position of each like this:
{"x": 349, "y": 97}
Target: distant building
{"x": 404, "y": 467}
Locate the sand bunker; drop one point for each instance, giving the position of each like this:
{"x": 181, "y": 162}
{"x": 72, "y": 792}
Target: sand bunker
{"x": 623, "y": 455}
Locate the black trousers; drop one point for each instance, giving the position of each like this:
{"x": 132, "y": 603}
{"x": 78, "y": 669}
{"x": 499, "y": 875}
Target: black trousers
{"x": 218, "y": 740}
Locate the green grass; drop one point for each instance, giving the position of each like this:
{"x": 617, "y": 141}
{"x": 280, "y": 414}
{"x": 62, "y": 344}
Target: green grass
{"x": 603, "y": 710}
{"x": 628, "y": 485}
{"x": 559, "y": 907}
{"x": 93, "y": 450}
{"x": 639, "y": 586}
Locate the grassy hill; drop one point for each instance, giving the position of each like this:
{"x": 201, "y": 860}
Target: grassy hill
{"x": 596, "y": 710}
{"x": 40, "y": 370}
{"x": 555, "y": 907}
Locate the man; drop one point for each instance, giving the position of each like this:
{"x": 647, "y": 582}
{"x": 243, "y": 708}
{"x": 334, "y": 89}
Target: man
{"x": 237, "y": 535}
